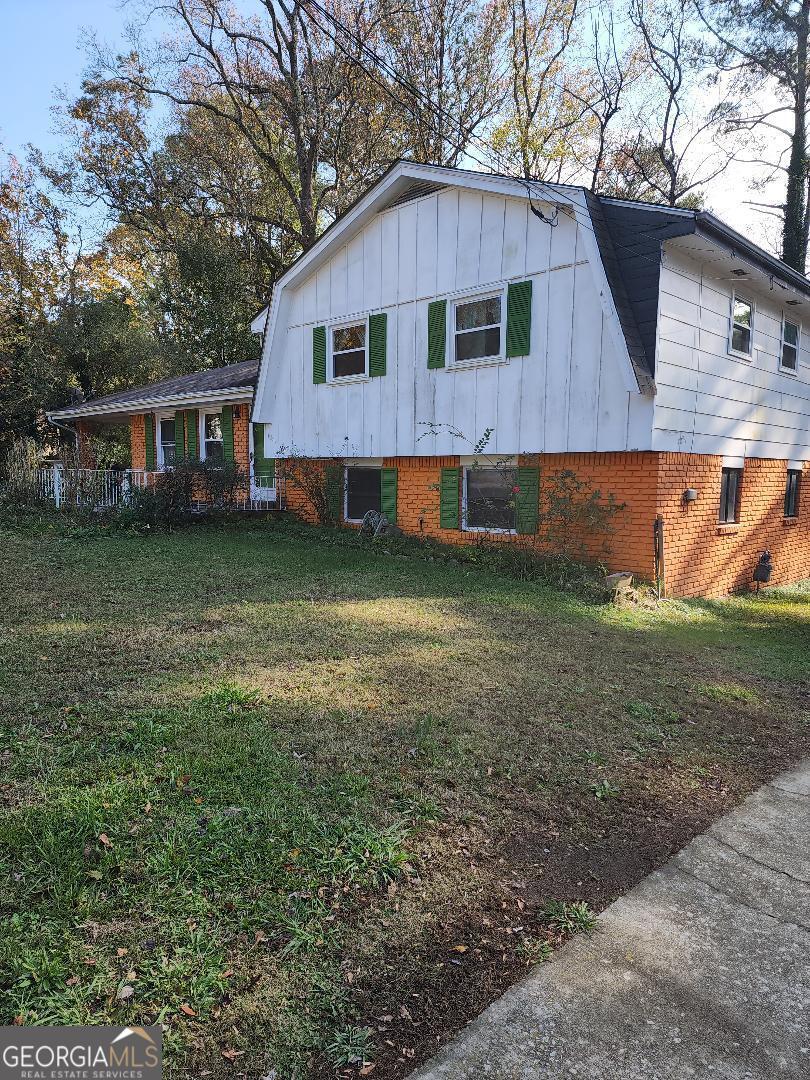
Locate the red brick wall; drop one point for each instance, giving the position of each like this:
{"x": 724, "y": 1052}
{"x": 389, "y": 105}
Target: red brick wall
{"x": 86, "y": 456}
{"x": 701, "y": 556}
{"x": 705, "y": 558}
{"x": 241, "y": 438}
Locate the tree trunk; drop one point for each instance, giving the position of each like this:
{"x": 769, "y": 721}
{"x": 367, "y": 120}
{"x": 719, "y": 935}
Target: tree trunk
{"x": 795, "y": 230}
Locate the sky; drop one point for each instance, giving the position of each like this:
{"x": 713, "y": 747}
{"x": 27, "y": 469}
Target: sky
{"x": 40, "y": 53}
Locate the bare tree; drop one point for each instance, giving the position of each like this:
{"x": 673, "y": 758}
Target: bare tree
{"x": 764, "y": 46}
{"x": 676, "y": 149}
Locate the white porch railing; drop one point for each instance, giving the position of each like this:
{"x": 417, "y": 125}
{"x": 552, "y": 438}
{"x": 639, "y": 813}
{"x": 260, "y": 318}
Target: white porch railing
{"x": 103, "y": 489}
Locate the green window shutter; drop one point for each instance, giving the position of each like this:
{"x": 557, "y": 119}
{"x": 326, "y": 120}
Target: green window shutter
{"x": 448, "y": 499}
{"x": 192, "y": 433}
{"x": 437, "y": 333}
{"x": 179, "y": 436}
{"x": 319, "y": 354}
{"x": 388, "y": 494}
{"x": 377, "y": 343}
{"x": 527, "y": 499}
{"x": 149, "y": 433}
{"x": 334, "y": 491}
{"x": 264, "y": 469}
{"x": 227, "y": 432}
{"x": 519, "y": 318}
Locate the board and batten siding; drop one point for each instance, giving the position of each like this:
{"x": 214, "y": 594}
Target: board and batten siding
{"x": 709, "y": 401}
{"x": 567, "y": 395}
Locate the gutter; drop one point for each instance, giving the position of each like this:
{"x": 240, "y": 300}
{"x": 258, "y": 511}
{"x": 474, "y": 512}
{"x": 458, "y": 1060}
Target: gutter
{"x": 714, "y": 227}
{"x": 242, "y": 393}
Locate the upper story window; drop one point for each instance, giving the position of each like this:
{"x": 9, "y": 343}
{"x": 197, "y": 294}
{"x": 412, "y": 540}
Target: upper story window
{"x": 742, "y": 322}
{"x": 349, "y": 352}
{"x": 489, "y": 499}
{"x": 790, "y": 345}
{"x": 794, "y": 479}
{"x": 478, "y": 328}
{"x": 212, "y": 438}
{"x": 730, "y": 496}
{"x": 167, "y": 441}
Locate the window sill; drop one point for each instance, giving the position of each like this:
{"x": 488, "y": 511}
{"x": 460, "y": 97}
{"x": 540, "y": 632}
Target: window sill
{"x": 790, "y": 521}
{"x": 728, "y": 528}
{"x": 792, "y": 372}
{"x": 347, "y": 380}
{"x": 749, "y": 357}
{"x": 484, "y": 529}
{"x": 485, "y": 361}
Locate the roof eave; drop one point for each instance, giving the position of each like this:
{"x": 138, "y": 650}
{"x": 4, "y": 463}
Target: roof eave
{"x": 135, "y": 405}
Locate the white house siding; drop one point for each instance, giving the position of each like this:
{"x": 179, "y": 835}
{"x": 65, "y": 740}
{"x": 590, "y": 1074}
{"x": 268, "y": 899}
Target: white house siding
{"x": 569, "y": 394}
{"x": 711, "y": 402}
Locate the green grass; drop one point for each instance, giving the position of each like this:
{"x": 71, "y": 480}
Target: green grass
{"x": 265, "y": 785}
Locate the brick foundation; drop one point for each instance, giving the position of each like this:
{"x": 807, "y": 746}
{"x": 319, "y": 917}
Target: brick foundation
{"x": 702, "y": 558}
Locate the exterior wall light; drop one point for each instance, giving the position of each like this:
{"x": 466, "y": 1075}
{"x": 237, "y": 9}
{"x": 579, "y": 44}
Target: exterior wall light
{"x": 690, "y": 495}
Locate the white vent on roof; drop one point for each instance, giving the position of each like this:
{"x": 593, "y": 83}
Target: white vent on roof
{"x": 417, "y": 189}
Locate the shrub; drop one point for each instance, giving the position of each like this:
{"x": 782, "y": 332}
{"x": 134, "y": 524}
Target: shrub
{"x": 319, "y": 483}
{"x": 19, "y": 476}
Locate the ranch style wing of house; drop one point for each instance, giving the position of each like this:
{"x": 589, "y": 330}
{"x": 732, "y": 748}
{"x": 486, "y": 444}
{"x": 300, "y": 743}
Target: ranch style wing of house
{"x": 656, "y": 353}
{"x": 201, "y": 416}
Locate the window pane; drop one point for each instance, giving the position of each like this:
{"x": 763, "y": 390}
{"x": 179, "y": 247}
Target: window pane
{"x": 478, "y": 313}
{"x": 362, "y": 492}
{"x": 349, "y": 363}
{"x": 349, "y": 337}
{"x": 167, "y": 431}
{"x": 791, "y": 334}
{"x": 214, "y": 452}
{"x": 729, "y": 488}
{"x": 792, "y": 493}
{"x": 168, "y": 453}
{"x": 742, "y": 312}
{"x": 478, "y": 343}
{"x": 213, "y": 426}
{"x": 789, "y": 356}
{"x": 741, "y": 339}
{"x": 490, "y": 498}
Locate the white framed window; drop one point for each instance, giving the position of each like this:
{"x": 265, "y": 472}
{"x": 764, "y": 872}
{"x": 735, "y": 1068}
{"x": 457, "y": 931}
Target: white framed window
{"x": 361, "y": 492}
{"x": 489, "y": 499}
{"x": 791, "y": 337}
{"x": 742, "y": 326}
{"x": 213, "y": 446}
{"x": 349, "y": 349}
{"x": 166, "y": 441}
{"x": 477, "y": 328}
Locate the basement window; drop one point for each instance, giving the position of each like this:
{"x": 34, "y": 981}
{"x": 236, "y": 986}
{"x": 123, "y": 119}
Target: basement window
{"x": 742, "y": 320}
{"x": 730, "y": 487}
{"x": 363, "y": 492}
{"x": 792, "y": 487}
{"x": 790, "y": 345}
{"x": 489, "y": 499}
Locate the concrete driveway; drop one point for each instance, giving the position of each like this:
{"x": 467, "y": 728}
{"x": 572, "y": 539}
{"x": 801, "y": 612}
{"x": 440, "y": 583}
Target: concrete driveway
{"x": 702, "y": 970}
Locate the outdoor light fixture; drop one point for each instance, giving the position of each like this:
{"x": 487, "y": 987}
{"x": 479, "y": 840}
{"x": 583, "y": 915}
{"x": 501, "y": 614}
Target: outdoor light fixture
{"x": 690, "y": 495}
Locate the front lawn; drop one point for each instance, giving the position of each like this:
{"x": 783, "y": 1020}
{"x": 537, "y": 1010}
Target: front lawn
{"x": 305, "y": 802}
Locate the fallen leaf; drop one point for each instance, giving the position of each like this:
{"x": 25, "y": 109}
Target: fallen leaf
{"x": 122, "y": 951}
{"x": 187, "y": 1009}
{"x": 459, "y": 948}
{"x": 71, "y": 981}
{"x": 368, "y": 1069}
{"x": 131, "y": 976}
{"x": 198, "y": 800}
{"x": 231, "y": 1055}
{"x": 19, "y": 1020}
{"x": 94, "y": 874}
{"x": 89, "y": 961}
{"x": 226, "y": 974}
{"x": 148, "y": 808}
{"x": 105, "y": 840}
{"x": 124, "y": 993}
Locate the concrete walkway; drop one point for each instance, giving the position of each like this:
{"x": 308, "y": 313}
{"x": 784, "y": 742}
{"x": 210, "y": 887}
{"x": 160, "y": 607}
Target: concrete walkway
{"x": 702, "y": 970}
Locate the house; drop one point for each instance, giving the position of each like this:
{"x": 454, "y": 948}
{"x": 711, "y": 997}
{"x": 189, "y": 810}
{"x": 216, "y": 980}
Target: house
{"x": 656, "y": 352}
{"x": 204, "y": 415}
